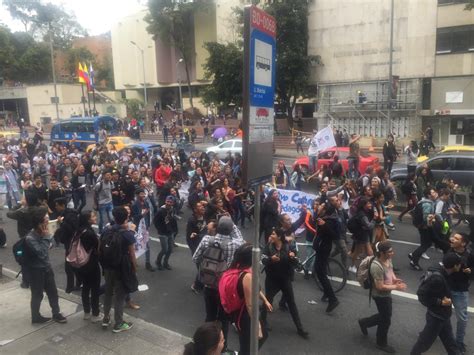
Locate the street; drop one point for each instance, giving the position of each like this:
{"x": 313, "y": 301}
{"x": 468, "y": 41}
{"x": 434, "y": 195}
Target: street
{"x": 170, "y": 303}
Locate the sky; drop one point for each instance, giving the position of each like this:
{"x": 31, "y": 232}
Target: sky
{"x": 96, "y": 16}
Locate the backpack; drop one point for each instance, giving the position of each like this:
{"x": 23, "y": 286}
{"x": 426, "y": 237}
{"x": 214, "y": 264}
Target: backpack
{"x": 423, "y": 291}
{"x": 353, "y": 224}
{"x": 417, "y": 215}
{"x": 363, "y": 275}
{"x": 20, "y": 251}
{"x": 78, "y": 256}
{"x": 110, "y": 249}
{"x": 406, "y": 188}
{"x": 212, "y": 264}
{"x": 228, "y": 294}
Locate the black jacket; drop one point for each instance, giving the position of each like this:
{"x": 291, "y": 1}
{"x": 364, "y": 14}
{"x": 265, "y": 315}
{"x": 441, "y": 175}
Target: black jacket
{"x": 432, "y": 291}
{"x": 165, "y": 221}
{"x": 459, "y": 281}
{"x": 283, "y": 269}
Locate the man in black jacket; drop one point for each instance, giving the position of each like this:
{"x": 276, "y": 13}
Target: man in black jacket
{"x": 389, "y": 154}
{"x": 434, "y": 293}
{"x": 167, "y": 226}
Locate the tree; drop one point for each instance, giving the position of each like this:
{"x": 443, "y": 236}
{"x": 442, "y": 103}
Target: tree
{"x": 105, "y": 73}
{"x": 76, "y": 55}
{"x": 469, "y": 5}
{"x": 6, "y": 53}
{"x": 133, "y": 107}
{"x": 173, "y": 22}
{"x": 224, "y": 67}
{"x": 293, "y": 62}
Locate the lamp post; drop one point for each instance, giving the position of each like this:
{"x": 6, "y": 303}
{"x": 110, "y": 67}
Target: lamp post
{"x": 178, "y": 79}
{"x": 53, "y": 70}
{"x": 144, "y": 82}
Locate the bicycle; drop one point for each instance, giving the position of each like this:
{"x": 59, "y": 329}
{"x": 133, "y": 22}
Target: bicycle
{"x": 336, "y": 272}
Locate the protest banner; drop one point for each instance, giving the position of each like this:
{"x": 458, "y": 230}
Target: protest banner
{"x": 142, "y": 236}
{"x": 292, "y": 200}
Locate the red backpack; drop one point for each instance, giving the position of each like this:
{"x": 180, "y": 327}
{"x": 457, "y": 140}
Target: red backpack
{"x": 230, "y": 299}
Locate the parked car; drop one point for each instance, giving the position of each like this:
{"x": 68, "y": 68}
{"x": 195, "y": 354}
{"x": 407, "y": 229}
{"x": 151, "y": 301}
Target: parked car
{"x": 449, "y": 148}
{"x": 327, "y": 156}
{"x": 458, "y": 166}
{"x": 143, "y": 147}
{"x": 119, "y": 142}
{"x": 231, "y": 145}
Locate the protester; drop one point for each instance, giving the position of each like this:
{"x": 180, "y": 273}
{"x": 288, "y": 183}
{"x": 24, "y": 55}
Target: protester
{"x": 166, "y": 225}
{"x": 208, "y": 339}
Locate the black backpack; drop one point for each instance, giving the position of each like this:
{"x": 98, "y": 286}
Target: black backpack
{"x": 406, "y": 188}
{"x": 423, "y": 291}
{"x": 417, "y": 214}
{"x": 354, "y": 224}
{"x": 20, "y": 251}
{"x": 110, "y": 249}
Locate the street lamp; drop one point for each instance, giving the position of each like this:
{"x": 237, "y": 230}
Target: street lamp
{"x": 144, "y": 81}
{"x": 178, "y": 77}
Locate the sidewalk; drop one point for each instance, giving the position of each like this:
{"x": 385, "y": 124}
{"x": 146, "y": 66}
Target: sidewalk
{"x": 77, "y": 336}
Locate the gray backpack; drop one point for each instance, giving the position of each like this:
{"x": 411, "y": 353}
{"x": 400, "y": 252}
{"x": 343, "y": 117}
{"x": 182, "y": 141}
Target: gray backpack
{"x": 212, "y": 264}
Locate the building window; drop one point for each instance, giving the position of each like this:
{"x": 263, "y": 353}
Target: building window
{"x": 452, "y": 2}
{"x": 455, "y": 39}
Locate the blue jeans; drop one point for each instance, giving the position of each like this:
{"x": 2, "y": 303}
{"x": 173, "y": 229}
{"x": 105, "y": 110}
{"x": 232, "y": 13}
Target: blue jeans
{"x": 105, "y": 209}
{"x": 460, "y": 301}
{"x": 167, "y": 242}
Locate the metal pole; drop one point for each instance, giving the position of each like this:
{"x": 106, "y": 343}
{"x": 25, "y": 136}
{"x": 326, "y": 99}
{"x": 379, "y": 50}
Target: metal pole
{"x": 255, "y": 277}
{"x": 144, "y": 89}
{"x": 181, "y": 110}
{"x": 83, "y": 99}
{"x": 390, "y": 65}
{"x": 53, "y": 72}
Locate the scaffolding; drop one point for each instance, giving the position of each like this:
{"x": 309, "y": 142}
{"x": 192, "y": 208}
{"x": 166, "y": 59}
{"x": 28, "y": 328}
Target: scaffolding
{"x": 363, "y": 108}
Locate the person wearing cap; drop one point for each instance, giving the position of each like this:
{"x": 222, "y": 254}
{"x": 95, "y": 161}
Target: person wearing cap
{"x": 141, "y": 210}
{"x": 167, "y": 226}
{"x": 229, "y": 241}
{"x": 435, "y": 294}
{"x": 383, "y": 282}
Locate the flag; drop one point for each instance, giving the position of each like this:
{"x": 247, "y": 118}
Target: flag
{"x": 86, "y": 76}
{"x": 80, "y": 74}
{"x": 324, "y": 139}
{"x": 91, "y": 76}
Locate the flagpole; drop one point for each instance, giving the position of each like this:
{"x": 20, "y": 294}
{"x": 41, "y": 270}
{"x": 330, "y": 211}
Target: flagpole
{"x": 88, "y": 101}
{"x": 93, "y": 98}
{"x": 83, "y": 99}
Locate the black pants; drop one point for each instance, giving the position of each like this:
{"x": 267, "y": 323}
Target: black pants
{"x": 42, "y": 280}
{"x": 214, "y": 310}
{"x": 427, "y": 238}
{"x": 436, "y": 327}
{"x": 79, "y": 198}
{"x": 244, "y": 334}
{"x": 90, "y": 276}
{"x": 320, "y": 267}
{"x": 272, "y": 287}
{"x": 71, "y": 276}
{"x": 382, "y": 319}
{"x": 387, "y": 165}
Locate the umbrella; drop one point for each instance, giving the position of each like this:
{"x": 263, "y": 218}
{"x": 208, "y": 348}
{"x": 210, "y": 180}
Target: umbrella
{"x": 220, "y": 132}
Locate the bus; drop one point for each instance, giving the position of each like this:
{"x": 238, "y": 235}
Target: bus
{"x": 83, "y": 130}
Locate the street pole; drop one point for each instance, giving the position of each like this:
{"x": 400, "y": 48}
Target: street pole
{"x": 142, "y": 51}
{"x": 178, "y": 79}
{"x": 254, "y": 317}
{"x": 56, "y": 99}
{"x": 83, "y": 99}
{"x": 390, "y": 73}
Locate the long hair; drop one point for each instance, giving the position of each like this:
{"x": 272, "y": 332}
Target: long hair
{"x": 242, "y": 257}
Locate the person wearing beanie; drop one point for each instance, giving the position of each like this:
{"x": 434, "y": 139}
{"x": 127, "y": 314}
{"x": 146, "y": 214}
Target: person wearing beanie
{"x": 167, "y": 226}
{"x": 434, "y": 293}
{"x": 383, "y": 281}
{"x": 228, "y": 240}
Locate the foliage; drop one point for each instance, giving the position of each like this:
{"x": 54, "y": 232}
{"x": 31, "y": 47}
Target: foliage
{"x": 105, "y": 72}
{"x": 224, "y": 67}
{"x": 293, "y": 62}
{"x": 133, "y": 107}
{"x": 39, "y": 19}
{"x": 173, "y": 22}
{"x": 76, "y": 55}
{"x": 469, "y": 5}
{"x": 6, "y": 53}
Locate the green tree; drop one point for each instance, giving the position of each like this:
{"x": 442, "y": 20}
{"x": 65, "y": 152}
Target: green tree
{"x": 134, "y": 107}
{"x": 6, "y": 53}
{"x": 469, "y": 5}
{"x": 76, "y": 55}
{"x": 224, "y": 67}
{"x": 293, "y": 62}
{"x": 105, "y": 72}
{"x": 173, "y": 22}
{"x": 34, "y": 65}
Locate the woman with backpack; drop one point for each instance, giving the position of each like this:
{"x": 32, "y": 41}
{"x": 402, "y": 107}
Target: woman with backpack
{"x": 382, "y": 281}
{"x": 90, "y": 272}
{"x": 409, "y": 189}
{"x": 279, "y": 259}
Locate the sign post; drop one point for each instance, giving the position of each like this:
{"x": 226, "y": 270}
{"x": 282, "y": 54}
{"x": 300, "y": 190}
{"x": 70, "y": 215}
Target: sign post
{"x": 258, "y": 125}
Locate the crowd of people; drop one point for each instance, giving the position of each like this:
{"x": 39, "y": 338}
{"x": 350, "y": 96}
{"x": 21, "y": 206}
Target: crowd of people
{"x": 130, "y": 192}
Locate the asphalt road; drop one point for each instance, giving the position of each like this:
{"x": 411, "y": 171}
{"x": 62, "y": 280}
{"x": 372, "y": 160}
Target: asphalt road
{"x": 170, "y": 303}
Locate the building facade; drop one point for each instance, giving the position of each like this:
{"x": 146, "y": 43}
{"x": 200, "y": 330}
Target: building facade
{"x": 353, "y": 40}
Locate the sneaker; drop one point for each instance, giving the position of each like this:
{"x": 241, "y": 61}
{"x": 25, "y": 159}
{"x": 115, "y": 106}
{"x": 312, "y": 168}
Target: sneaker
{"x": 167, "y": 267}
{"x": 415, "y": 266}
{"x": 96, "y": 319}
{"x": 4, "y": 246}
{"x": 59, "y": 318}
{"x": 87, "y": 316}
{"x": 387, "y": 348}
{"x": 303, "y": 333}
{"x": 123, "y": 327}
{"x": 195, "y": 290}
{"x": 363, "y": 328}
{"x": 40, "y": 320}
{"x": 132, "y": 305}
{"x": 149, "y": 267}
{"x": 353, "y": 269}
{"x": 332, "y": 306}
{"x": 410, "y": 256}
{"x": 424, "y": 256}
{"x": 105, "y": 322}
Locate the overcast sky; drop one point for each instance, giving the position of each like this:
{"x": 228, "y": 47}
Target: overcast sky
{"x": 96, "y": 16}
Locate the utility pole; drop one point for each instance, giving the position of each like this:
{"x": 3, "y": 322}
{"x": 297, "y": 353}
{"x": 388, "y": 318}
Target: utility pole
{"x": 178, "y": 79}
{"x": 56, "y": 99}
{"x": 390, "y": 73}
{"x": 147, "y": 123}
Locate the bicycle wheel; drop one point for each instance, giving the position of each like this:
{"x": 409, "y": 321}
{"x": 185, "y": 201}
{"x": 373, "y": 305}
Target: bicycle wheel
{"x": 337, "y": 275}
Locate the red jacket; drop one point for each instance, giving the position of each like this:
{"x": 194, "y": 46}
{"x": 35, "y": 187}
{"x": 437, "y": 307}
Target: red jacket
{"x": 162, "y": 175}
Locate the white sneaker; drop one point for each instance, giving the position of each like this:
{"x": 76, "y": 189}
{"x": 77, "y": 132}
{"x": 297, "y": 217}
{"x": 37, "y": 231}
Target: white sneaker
{"x": 424, "y": 256}
{"x": 353, "y": 269}
{"x": 97, "y": 319}
{"x": 87, "y": 316}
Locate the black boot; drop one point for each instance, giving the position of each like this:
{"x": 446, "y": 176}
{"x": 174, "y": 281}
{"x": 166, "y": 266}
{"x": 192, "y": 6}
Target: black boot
{"x": 149, "y": 267}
